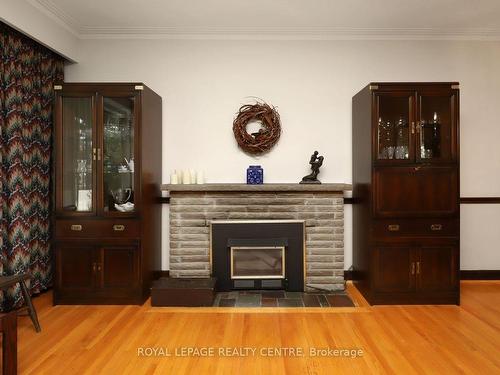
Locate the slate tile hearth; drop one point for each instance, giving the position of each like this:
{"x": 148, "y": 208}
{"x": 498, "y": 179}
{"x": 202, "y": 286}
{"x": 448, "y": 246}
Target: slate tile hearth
{"x": 279, "y": 298}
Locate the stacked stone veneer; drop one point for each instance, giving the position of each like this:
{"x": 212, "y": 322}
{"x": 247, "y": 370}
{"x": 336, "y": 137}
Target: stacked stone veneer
{"x": 323, "y": 212}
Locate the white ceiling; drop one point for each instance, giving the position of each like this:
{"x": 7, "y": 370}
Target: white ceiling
{"x": 391, "y": 19}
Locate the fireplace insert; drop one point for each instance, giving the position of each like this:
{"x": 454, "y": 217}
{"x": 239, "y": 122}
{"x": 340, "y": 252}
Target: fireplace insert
{"x": 258, "y": 254}
{"x": 262, "y": 262}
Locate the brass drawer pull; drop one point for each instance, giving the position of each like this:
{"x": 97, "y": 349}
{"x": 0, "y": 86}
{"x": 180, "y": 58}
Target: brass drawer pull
{"x": 393, "y": 227}
{"x": 76, "y": 227}
{"x": 436, "y": 227}
{"x": 118, "y": 227}
{"x": 413, "y": 268}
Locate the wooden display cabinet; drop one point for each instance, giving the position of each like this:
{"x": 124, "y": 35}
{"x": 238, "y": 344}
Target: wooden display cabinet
{"x": 406, "y": 214}
{"x": 107, "y": 178}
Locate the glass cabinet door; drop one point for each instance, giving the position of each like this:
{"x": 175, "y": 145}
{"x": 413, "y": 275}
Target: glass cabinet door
{"x": 118, "y": 154}
{"x": 394, "y": 116}
{"x": 436, "y": 126}
{"x": 78, "y": 154}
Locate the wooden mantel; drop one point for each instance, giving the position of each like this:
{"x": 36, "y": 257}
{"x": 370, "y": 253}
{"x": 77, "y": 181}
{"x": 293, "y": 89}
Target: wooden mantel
{"x": 221, "y": 187}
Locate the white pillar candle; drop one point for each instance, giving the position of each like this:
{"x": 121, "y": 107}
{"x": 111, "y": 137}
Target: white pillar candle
{"x": 174, "y": 179}
{"x": 192, "y": 173}
{"x": 186, "y": 177}
{"x": 200, "y": 178}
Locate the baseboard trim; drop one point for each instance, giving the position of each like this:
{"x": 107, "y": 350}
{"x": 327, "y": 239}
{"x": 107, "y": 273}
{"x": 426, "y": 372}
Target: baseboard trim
{"x": 480, "y": 200}
{"x": 480, "y": 275}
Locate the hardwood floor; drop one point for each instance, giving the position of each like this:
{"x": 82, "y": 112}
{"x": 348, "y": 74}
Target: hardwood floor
{"x": 394, "y": 339}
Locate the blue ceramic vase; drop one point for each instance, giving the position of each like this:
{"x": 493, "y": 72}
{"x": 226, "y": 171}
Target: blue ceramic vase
{"x": 255, "y": 175}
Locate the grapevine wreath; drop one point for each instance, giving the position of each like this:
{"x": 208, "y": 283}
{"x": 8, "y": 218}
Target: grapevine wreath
{"x": 263, "y": 140}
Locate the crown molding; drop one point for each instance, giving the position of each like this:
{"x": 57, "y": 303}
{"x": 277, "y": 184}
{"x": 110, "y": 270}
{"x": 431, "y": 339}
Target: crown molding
{"x": 290, "y": 33}
{"x": 58, "y": 15}
{"x": 261, "y": 33}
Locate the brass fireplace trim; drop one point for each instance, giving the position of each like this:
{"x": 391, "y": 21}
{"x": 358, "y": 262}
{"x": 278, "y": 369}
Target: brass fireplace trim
{"x": 283, "y": 263}
{"x": 212, "y": 222}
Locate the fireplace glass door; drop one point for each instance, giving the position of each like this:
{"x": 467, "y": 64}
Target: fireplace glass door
{"x": 264, "y": 262}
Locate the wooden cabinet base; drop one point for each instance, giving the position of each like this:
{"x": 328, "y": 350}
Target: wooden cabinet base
{"x": 137, "y": 299}
{"x": 106, "y": 272}
{"x": 373, "y": 298}
{"x": 8, "y": 327}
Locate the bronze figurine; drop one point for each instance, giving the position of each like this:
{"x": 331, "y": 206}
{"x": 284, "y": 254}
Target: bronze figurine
{"x": 316, "y": 162}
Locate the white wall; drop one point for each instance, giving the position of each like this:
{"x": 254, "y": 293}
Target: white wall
{"x": 480, "y": 236}
{"x": 39, "y": 26}
{"x": 203, "y": 82}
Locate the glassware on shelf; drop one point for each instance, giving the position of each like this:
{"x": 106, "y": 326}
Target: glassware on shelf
{"x": 122, "y": 198}
{"x": 128, "y": 167}
{"x": 130, "y": 164}
{"x": 81, "y": 168}
{"x": 121, "y": 195}
{"x": 385, "y": 139}
{"x": 77, "y": 170}
{"x": 436, "y": 136}
{"x": 390, "y": 152}
{"x": 425, "y": 153}
{"x": 430, "y": 138}
{"x": 118, "y": 153}
{"x": 401, "y": 151}
{"x": 83, "y": 190}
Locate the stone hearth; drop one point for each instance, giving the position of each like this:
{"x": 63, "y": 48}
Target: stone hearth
{"x": 192, "y": 207}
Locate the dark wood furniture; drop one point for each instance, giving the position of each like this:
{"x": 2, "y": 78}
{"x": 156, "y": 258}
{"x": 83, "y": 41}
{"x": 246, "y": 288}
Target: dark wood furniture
{"x": 8, "y": 327}
{"x": 406, "y": 222}
{"x": 183, "y": 292}
{"x": 9, "y": 281}
{"x": 107, "y": 217}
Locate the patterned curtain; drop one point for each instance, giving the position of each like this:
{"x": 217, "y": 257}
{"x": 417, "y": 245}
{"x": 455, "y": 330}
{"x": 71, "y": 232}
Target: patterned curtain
{"x": 28, "y": 72}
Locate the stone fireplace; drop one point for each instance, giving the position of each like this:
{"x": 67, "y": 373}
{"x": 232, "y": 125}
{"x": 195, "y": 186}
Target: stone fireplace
{"x": 193, "y": 208}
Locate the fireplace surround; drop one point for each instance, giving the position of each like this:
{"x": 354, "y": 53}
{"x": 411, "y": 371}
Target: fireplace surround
{"x": 193, "y": 208}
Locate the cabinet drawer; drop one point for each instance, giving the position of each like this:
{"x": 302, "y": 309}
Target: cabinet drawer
{"x": 97, "y": 228}
{"x": 416, "y": 227}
